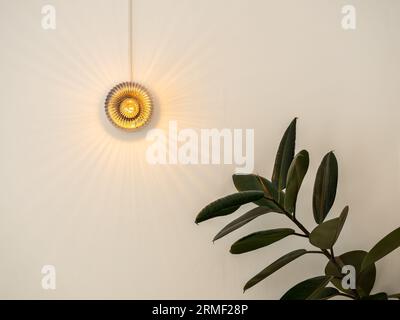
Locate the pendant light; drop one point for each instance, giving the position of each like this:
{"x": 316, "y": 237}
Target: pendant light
{"x": 128, "y": 105}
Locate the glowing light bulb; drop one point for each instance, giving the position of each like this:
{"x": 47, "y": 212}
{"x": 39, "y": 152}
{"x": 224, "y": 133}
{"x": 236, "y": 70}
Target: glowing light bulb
{"x": 128, "y": 106}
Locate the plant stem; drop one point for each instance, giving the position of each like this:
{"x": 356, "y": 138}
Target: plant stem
{"x": 291, "y": 217}
{"x": 319, "y": 252}
{"x": 300, "y": 235}
{"x": 330, "y": 256}
{"x": 304, "y": 229}
{"x": 298, "y": 224}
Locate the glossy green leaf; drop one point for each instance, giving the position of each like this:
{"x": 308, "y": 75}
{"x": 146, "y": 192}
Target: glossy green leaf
{"x": 326, "y": 293}
{"x": 277, "y": 197}
{"x": 309, "y": 289}
{"x": 260, "y": 239}
{"x": 325, "y": 235}
{"x": 377, "y": 296}
{"x": 284, "y": 156}
{"x": 395, "y": 296}
{"x": 388, "y": 244}
{"x": 246, "y": 182}
{"x": 325, "y": 187}
{"x": 365, "y": 279}
{"x": 295, "y": 176}
{"x": 241, "y": 221}
{"x": 273, "y": 267}
{"x": 228, "y": 204}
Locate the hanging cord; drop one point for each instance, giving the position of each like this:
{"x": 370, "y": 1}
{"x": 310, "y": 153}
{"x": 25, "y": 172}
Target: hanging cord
{"x": 130, "y": 35}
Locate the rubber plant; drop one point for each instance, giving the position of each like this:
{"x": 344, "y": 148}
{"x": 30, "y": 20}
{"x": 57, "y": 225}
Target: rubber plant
{"x": 279, "y": 195}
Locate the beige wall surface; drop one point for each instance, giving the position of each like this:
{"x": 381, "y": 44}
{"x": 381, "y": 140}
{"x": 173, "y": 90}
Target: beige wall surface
{"x": 78, "y": 194}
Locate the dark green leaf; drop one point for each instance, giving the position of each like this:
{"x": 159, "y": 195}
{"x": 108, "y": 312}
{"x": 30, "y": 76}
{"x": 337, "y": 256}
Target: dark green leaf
{"x": 260, "y": 239}
{"x": 377, "y": 296}
{"x": 242, "y": 220}
{"x": 309, "y": 289}
{"x": 326, "y": 294}
{"x": 325, "y": 187}
{"x": 295, "y": 176}
{"x": 382, "y": 248}
{"x": 395, "y": 296}
{"x": 246, "y": 182}
{"x": 324, "y": 236}
{"x": 365, "y": 280}
{"x": 228, "y": 204}
{"x": 275, "y": 266}
{"x": 284, "y": 156}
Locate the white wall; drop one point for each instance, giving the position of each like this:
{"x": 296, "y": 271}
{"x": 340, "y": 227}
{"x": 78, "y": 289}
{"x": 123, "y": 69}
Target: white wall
{"x": 78, "y": 194}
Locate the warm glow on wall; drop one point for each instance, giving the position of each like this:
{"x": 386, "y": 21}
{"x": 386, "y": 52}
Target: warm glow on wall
{"x": 129, "y": 106}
